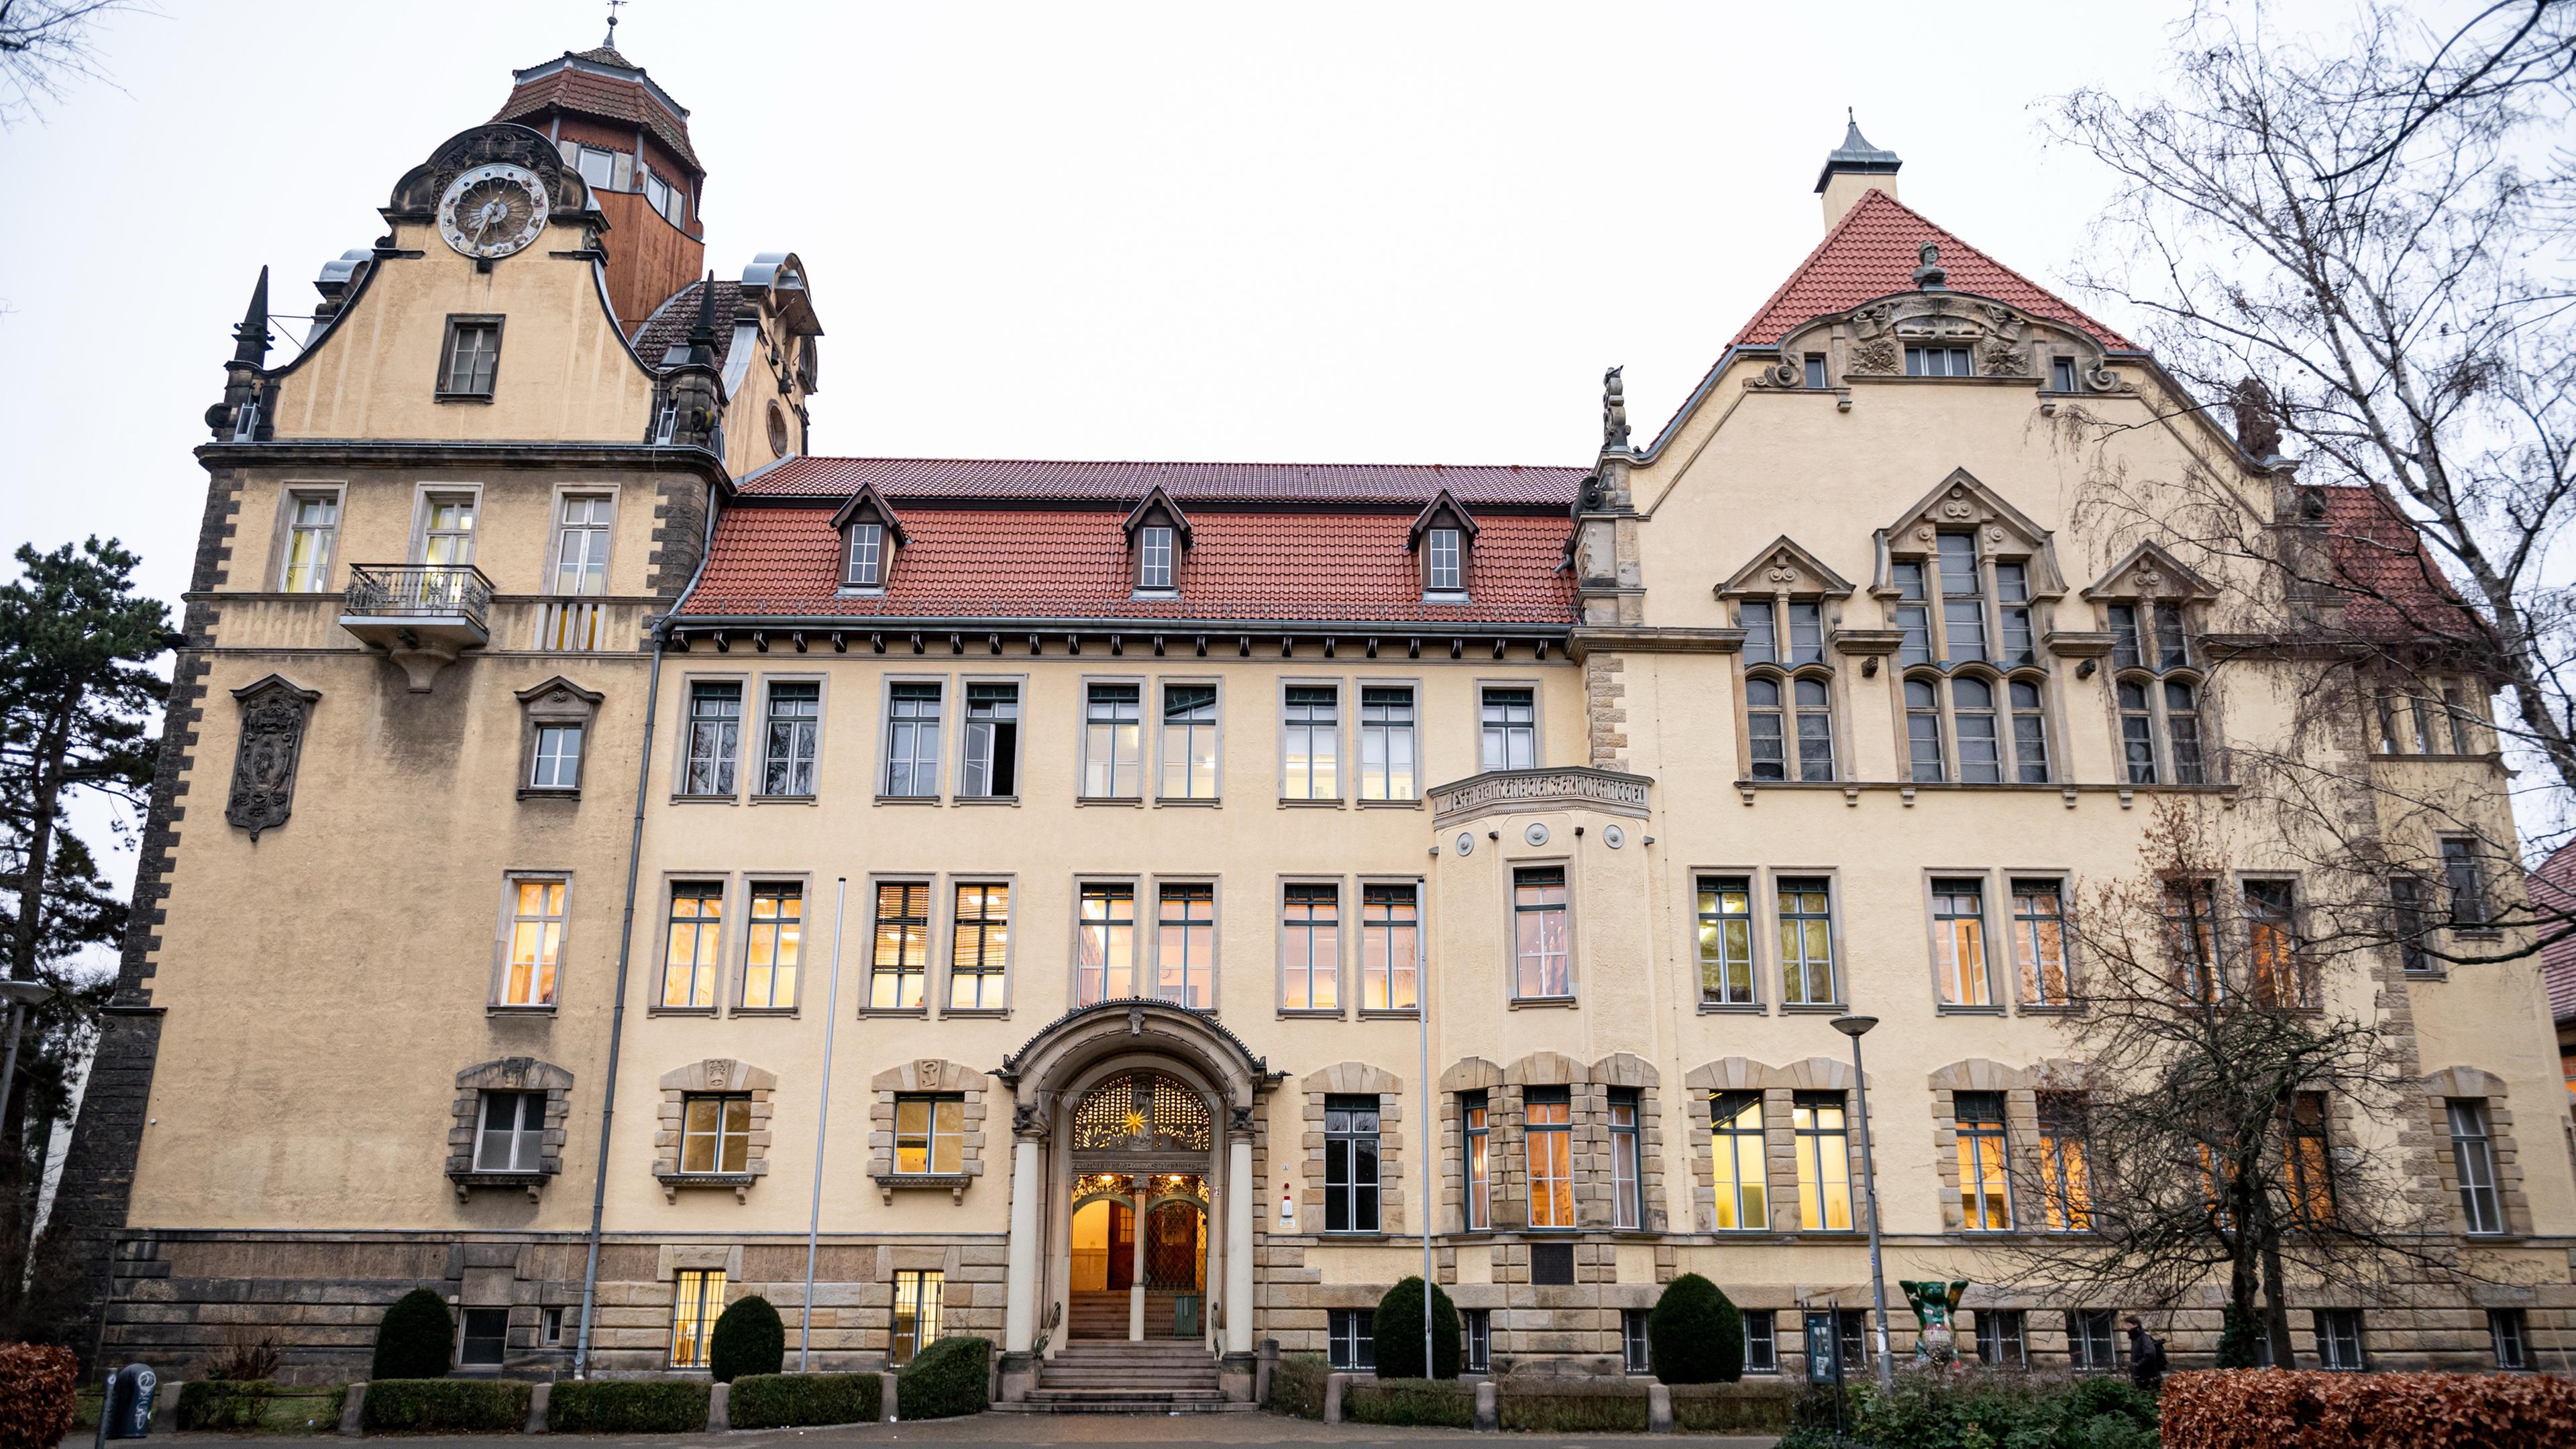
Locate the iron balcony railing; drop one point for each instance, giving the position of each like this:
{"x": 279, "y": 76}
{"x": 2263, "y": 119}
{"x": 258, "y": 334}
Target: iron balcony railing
{"x": 418, "y": 591}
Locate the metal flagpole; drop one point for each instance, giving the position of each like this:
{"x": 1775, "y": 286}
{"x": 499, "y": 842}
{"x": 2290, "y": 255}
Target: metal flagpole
{"x": 822, "y": 1123}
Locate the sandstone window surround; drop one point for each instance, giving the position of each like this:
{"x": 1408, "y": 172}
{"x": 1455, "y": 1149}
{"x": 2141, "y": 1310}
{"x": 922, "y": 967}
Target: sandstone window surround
{"x": 1595, "y": 1142}
{"x": 1355, "y": 1079}
{"x": 1779, "y": 1087}
{"x": 927, "y": 1077}
{"x": 2487, "y": 1091}
{"x": 2019, "y": 1088}
{"x": 547, "y": 770}
{"x": 507, "y": 1074}
{"x": 2149, "y": 604}
{"x": 714, "y": 1076}
{"x": 1789, "y": 605}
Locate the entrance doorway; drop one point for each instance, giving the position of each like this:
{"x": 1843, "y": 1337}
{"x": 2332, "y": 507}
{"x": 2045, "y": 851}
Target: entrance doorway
{"x": 1126, "y": 1284}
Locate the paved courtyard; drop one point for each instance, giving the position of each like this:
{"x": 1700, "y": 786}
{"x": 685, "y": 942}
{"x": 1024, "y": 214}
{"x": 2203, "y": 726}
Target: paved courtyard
{"x": 1255, "y": 1430}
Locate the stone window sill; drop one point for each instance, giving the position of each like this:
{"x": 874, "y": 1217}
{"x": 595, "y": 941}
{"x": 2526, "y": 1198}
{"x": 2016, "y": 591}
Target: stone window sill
{"x": 1414, "y": 804}
{"x": 907, "y": 799}
{"x": 537, "y": 792}
{"x": 705, "y": 800}
{"x": 1389, "y": 1013}
{"x": 1205, "y": 802}
{"x": 544, "y": 1010}
{"x": 1966, "y": 1009}
{"x": 1135, "y": 802}
{"x": 1329, "y": 802}
{"x": 985, "y": 800}
{"x": 889, "y": 1183}
{"x": 1541, "y": 1003}
{"x": 917, "y": 1012}
{"x": 785, "y": 800}
{"x": 533, "y": 1183}
{"x": 705, "y": 1011}
{"x": 1733, "y": 1008}
{"x": 785, "y": 1011}
{"x": 1813, "y": 1008}
{"x": 740, "y": 1182}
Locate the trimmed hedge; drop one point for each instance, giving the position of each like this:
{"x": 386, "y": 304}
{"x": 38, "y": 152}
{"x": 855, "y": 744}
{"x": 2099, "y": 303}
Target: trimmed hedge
{"x": 1297, "y": 1385}
{"x": 1576, "y": 1406}
{"x": 779, "y": 1401}
{"x": 444, "y": 1406}
{"x": 257, "y": 1405}
{"x": 1765, "y": 1406}
{"x": 748, "y": 1339}
{"x": 1694, "y": 1334}
{"x": 2312, "y": 1409}
{"x": 1438, "y": 1403}
{"x": 625, "y": 1406}
{"x": 416, "y": 1340}
{"x": 37, "y": 1385}
{"x": 1397, "y": 1325}
{"x": 951, "y": 1377}
{"x": 1972, "y": 1407}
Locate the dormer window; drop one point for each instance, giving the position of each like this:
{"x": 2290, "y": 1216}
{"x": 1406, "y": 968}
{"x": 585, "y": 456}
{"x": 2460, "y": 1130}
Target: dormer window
{"x": 1157, "y": 532}
{"x": 1441, "y": 535}
{"x": 1937, "y": 362}
{"x": 1154, "y": 558}
{"x": 870, "y": 534}
{"x": 866, "y": 568}
{"x": 1443, "y": 558}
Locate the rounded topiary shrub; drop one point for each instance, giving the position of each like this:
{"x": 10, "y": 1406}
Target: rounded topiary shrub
{"x": 1695, "y": 1335}
{"x": 417, "y": 1339}
{"x": 1398, "y": 1327}
{"x": 748, "y": 1339}
{"x": 947, "y": 1379}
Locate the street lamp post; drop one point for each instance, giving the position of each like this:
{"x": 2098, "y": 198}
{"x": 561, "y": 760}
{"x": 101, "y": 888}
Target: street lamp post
{"x": 1854, "y": 1027}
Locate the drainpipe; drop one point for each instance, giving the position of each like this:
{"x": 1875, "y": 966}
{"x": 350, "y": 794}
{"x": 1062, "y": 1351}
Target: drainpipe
{"x": 626, "y": 950}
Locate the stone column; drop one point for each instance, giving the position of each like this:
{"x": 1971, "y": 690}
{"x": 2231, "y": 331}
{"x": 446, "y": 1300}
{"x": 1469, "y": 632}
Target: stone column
{"x": 1136, "y": 1289}
{"x": 1020, "y": 1290}
{"x": 1238, "y": 1245}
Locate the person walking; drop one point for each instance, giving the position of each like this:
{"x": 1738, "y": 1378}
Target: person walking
{"x": 2146, "y": 1356}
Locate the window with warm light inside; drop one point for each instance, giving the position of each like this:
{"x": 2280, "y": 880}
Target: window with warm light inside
{"x": 929, "y": 1136}
{"x": 535, "y": 941}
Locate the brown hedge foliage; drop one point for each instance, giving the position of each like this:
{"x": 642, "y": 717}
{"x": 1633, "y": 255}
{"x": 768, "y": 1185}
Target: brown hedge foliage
{"x": 37, "y": 1384}
{"x": 2309, "y": 1409}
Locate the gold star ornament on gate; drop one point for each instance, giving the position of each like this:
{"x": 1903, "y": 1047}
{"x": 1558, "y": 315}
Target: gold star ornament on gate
{"x": 1135, "y": 1123}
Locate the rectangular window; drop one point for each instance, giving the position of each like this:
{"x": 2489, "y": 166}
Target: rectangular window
{"x": 1390, "y": 947}
{"x": 715, "y": 1133}
{"x": 2039, "y": 941}
{"x": 912, "y": 739}
{"x": 777, "y": 936}
{"x": 2173, "y": 646}
{"x": 2272, "y": 943}
{"x": 1442, "y": 574}
{"x": 1726, "y": 940}
{"x": 2137, "y": 731}
{"x": 989, "y": 761}
{"x": 695, "y": 1307}
{"x": 863, "y": 561}
{"x": 1312, "y": 731}
{"x": 1913, "y": 613}
{"x": 2090, "y": 1347}
{"x": 2510, "y": 1332}
{"x": 1185, "y": 945}
{"x": 1113, "y": 741}
{"x": 598, "y": 168}
{"x": 929, "y": 1136}
{"x": 715, "y": 726}
{"x": 1545, "y": 967}
{"x": 2125, "y": 653}
{"x": 1310, "y": 947}
{"x": 1627, "y": 1160}
{"x": 2065, "y": 1178}
{"x": 1824, "y": 1162}
{"x": 1937, "y": 362}
{"x": 1189, "y": 741}
{"x": 1761, "y": 633}
{"x": 1351, "y": 1343}
{"x": 2473, "y": 1163}
{"x": 1806, "y": 634}
{"x": 1807, "y": 942}
{"x": 2191, "y": 938}
{"x": 1963, "y": 604}
{"x": 980, "y": 950}
{"x": 536, "y": 941}
{"x": 513, "y": 1134}
{"x": 1477, "y": 1328}
{"x": 2029, "y": 733}
{"x": 447, "y": 530}
{"x": 1766, "y": 731}
{"x": 1350, "y": 1164}
{"x": 1634, "y": 1356}
{"x": 1959, "y": 941}
{"x": 2464, "y": 875}
{"x": 899, "y": 961}
{"x": 696, "y": 932}
{"x": 1741, "y": 1159}
{"x": 2411, "y": 918}
{"x": 1510, "y": 729}
{"x": 2310, "y": 1160}
{"x": 2000, "y": 1340}
{"x": 1105, "y": 960}
{"x": 580, "y": 543}
{"x": 1761, "y": 1341}
{"x": 918, "y": 1298}
{"x": 2012, "y": 590}
{"x": 1815, "y": 369}
{"x": 473, "y": 357}
{"x": 553, "y": 1326}
{"x": 1547, "y": 1114}
{"x": 485, "y": 1341}
{"x": 795, "y": 719}
{"x": 2423, "y": 711}
{"x": 1479, "y": 1166}
{"x": 1154, "y": 557}
{"x": 2463, "y": 723}
{"x": 2061, "y": 374}
{"x": 312, "y": 527}
{"x": 1984, "y": 1204}
{"x": 1972, "y": 709}
{"x": 1386, "y": 742}
{"x": 2339, "y": 1341}
{"x": 556, "y": 762}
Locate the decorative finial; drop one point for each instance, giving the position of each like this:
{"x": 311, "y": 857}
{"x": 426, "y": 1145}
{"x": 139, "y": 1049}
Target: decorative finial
{"x": 1614, "y": 409}
{"x": 611, "y": 42}
{"x": 1930, "y": 277}
{"x": 250, "y": 339}
{"x": 702, "y": 338}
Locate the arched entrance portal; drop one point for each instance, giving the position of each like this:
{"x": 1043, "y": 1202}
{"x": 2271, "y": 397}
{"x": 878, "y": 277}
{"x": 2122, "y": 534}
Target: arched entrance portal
{"x": 1136, "y": 1259}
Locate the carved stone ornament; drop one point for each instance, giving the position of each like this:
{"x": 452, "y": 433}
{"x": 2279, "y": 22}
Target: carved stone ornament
{"x": 274, "y": 714}
{"x": 1028, "y": 1119}
{"x": 497, "y": 142}
{"x": 1614, "y": 411}
{"x": 1239, "y": 1121}
{"x": 2003, "y": 340}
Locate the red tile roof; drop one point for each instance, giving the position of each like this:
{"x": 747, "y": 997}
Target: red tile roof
{"x": 1035, "y": 480}
{"x": 670, "y": 324}
{"x": 2394, "y": 587}
{"x": 1068, "y": 563}
{"x": 2553, "y": 896}
{"x": 1873, "y": 252}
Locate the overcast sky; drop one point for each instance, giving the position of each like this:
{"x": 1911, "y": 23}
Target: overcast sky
{"x": 1387, "y": 232}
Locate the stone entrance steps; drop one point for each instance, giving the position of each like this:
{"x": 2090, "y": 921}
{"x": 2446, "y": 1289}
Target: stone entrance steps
{"x": 1119, "y": 1377}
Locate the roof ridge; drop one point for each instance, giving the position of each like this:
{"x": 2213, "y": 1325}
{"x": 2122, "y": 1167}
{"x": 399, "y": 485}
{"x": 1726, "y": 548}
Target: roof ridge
{"x": 1808, "y": 262}
{"x": 824, "y": 458}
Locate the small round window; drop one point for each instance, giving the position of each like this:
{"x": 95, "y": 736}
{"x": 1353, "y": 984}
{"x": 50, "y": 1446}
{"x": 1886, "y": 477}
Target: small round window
{"x": 779, "y": 437}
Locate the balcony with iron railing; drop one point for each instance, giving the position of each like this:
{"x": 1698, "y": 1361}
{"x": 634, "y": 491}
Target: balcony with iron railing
{"x": 421, "y": 614}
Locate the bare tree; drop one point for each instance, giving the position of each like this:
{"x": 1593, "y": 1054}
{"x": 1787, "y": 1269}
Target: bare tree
{"x": 43, "y": 45}
{"x": 2229, "y": 1066}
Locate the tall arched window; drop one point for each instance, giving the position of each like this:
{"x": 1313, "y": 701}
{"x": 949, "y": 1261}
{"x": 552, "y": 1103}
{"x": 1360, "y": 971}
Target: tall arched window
{"x": 1964, "y": 614}
{"x": 1782, "y": 600}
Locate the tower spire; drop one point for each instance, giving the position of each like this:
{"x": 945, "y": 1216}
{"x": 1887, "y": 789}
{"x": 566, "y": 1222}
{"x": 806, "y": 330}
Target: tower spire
{"x": 611, "y": 42}
{"x": 702, "y": 337}
{"x": 250, "y": 339}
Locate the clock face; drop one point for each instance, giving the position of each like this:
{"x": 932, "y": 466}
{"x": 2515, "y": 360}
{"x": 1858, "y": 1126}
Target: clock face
{"x": 492, "y": 211}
